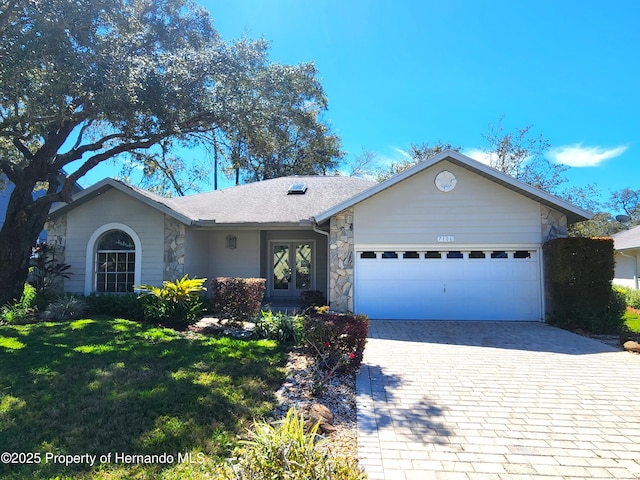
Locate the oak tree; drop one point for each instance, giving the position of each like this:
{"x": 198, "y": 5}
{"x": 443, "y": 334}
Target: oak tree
{"x": 86, "y": 81}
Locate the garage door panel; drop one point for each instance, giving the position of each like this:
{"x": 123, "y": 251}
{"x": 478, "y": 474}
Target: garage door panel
{"x": 448, "y": 288}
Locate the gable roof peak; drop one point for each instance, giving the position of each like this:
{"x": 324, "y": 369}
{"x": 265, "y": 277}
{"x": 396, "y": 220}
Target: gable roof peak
{"x": 573, "y": 212}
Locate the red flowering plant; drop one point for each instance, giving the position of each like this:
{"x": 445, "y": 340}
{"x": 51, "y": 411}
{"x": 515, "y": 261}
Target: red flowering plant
{"x": 336, "y": 340}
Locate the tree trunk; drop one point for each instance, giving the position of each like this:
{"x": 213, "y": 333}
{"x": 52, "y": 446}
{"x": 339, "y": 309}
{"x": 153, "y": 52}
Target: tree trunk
{"x": 23, "y": 223}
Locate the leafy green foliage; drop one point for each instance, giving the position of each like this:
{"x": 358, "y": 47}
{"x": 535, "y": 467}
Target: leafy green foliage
{"x": 632, "y": 321}
{"x": 119, "y": 305}
{"x": 286, "y": 329}
{"x": 631, "y": 296}
{"x": 66, "y": 307}
{"x": 579, "y": 273}
{"x": 22, "y": 311}
{"x": 238, "y": 299}
{"x": 288, "y": 450}
{"x": 176, "y": 303}
{"x": 46, "y": 272}
{"x": 312, "y": 298}
{"x": 112, "y": 385}
{"x": 136, "y": 80}
{"x": 336, "y": 340}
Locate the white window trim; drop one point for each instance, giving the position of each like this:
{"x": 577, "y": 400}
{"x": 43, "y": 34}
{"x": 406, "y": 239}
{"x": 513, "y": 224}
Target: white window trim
{"x": 89, "y": 275}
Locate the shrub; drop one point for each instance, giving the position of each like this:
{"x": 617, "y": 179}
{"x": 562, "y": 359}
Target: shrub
{"x": 238, "y": 299}
{"x": 120, "y": 305}
{"x": 286, "y": 329}
{"x": 608, "y": 320}
{"x": 15, "y": 314}
{"x": 46, "y": 274}
{"x": 177, "y": 303}
{"x": 338, "y": 340}
{"x": 632, "y": 297}
{"x": 67, "y": 307}
{"x": 289, "y": 450}
{"x": 24, "y": 310}
{"x": 312, "y": 298}
{"x": 578, "y": 278}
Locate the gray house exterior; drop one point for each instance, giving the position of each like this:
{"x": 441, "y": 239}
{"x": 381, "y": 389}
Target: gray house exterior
{"x": 449, "y": 238}
{"x": 627, "y": 255}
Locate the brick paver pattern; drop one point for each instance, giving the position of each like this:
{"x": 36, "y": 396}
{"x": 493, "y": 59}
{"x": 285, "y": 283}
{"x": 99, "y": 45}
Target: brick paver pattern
{"x": 496, "y": 400}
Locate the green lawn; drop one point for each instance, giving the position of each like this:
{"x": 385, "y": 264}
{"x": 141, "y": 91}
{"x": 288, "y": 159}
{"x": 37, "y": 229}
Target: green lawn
{"x": 112, "y": 387}
{"x": 632, "y": 321}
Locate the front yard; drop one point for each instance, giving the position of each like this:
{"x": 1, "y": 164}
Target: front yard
{"x": 105, "y": 388}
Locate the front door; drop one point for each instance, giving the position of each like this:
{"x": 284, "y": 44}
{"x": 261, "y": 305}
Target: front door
{"x": 292, "y": 267}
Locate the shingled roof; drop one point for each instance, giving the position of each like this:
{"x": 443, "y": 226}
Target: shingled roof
{"x": 269, "y": 201}
{"x": 629, "y": 239}
{"x": 260, "y": 203}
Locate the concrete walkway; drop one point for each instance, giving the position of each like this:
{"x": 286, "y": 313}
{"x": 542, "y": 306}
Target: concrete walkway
{"x": 496, "y": 400}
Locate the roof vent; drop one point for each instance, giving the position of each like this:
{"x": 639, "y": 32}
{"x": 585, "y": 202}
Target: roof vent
{"x": 297, "y": 189}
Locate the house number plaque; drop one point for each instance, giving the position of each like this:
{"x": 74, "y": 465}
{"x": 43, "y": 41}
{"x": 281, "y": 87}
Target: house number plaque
{"x": 445, "y": 239}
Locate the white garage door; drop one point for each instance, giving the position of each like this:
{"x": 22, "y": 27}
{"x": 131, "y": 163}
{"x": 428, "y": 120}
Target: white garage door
{"x": 450, "y": 285}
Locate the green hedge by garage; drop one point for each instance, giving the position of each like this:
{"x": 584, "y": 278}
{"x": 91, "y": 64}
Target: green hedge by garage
{"x": 578, "y": 274}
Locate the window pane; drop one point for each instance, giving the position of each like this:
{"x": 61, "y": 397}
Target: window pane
{"x": 476, "y": 254}
{"x": 116, "y": 240}
{"x": 115, "y": 263}
{"x": 522, "y": 254}
{"x": 455, "y": 254}
{"x": 389, "y": 255}
{"x": 281, "y": 268}
{"x": 432, "y": 255}
{"x": 368, "y": 255}
{"x": 410, "y": 255}
{"x": 499, "y": 254}
{"x": 303, "y": 267}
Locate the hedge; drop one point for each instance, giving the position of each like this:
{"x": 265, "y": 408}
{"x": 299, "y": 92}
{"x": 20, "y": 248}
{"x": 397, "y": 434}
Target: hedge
{"x": 237, "y": 299}
{"x": 578, "y": 275}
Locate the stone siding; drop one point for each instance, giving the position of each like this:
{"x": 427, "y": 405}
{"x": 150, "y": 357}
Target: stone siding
{"x": 554, "y": 224}
{"x": 341, "y": 261}
{"x": 57, "y": 236}
{"x": 56, "y": 241}
{"x": 174, "y": 235}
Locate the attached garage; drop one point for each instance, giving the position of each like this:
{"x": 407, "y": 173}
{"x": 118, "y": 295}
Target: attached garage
{"x": 448, "y": 239}
{"x": 483, "y": 283}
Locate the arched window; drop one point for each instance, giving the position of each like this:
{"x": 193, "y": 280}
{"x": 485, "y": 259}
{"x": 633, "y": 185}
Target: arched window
{"x": 115, "y": 262}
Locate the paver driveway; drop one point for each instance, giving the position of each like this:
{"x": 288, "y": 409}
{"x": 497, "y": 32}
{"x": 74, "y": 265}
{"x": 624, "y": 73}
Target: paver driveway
{"x": 496, "y": 400}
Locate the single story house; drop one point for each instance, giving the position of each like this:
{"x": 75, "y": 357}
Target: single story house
{"x": 449, "y": 238}
{"x": 627, "y": 255}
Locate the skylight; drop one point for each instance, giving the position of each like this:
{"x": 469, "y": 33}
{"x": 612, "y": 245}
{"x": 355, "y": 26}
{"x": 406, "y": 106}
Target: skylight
{"x": 297, "y": 189}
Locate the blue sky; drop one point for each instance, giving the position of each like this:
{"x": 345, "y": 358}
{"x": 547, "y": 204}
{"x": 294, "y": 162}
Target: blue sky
{"x": 401, "y": 72}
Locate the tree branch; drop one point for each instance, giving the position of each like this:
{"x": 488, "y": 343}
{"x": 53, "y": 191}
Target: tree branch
{"x": 77, "y": 152}
{"x": 23, "y": 149}
{"x": 65, "y": 192}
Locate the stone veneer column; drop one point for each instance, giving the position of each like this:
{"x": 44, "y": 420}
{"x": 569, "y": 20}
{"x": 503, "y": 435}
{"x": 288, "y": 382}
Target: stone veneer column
{"x": 56, "y": 240}
{"x": 57, "y": 236}
{"x": 554, "y": 224}
{"x": 341, "y": 261}
{"x": 174, "y": 233}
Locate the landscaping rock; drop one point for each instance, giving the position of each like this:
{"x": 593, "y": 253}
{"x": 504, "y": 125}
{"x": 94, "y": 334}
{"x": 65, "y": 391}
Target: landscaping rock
{"x": 320, "y": 414}
{"x": 632, "y": 346}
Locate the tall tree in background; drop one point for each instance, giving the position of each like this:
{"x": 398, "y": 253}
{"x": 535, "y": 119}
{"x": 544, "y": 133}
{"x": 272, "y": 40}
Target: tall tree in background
{"x": 85, "y": 81}
{"x": 278, "y": 129}
{"x": 622, "y": 203}
{"x": 520, "y": 154}
{"x": 417, "y": 153}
